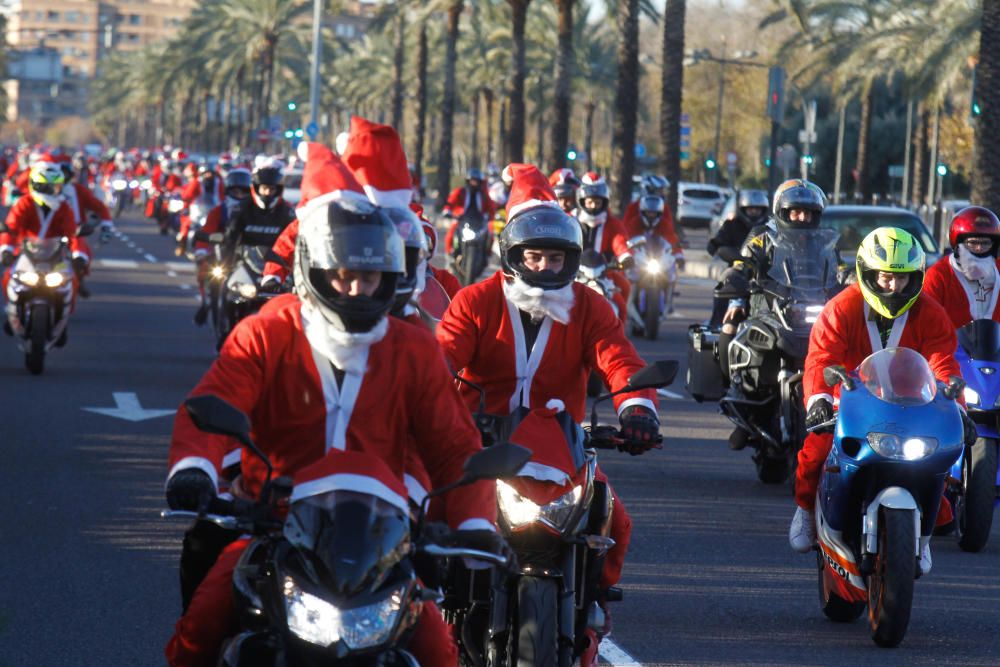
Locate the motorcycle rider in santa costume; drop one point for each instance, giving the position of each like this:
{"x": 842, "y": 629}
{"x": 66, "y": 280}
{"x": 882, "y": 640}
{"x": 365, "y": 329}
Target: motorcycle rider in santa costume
{"x": 531, "y": 333}
{"x": 565, "y": 184}
{"x": 886, "y": 307}
{"x": 81, "y": 201}
{"x": 966, "y": 282}
{"x": 604, "y": 233}
{"x": 471, "y": 197}
{"x": 313, "y": 373}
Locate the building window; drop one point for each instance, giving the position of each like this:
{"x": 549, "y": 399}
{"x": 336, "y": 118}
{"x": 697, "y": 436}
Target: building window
{"x": 52, "y": 16}
{"x": 134, "y": 19}
{"x": 72, "y": 17}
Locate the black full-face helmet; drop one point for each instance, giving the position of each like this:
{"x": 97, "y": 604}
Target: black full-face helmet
{"x": 541, "y": 227}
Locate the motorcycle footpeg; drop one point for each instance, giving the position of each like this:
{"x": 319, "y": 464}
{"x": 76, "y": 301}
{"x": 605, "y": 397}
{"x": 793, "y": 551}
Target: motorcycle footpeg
{"x": 613, "y": 594}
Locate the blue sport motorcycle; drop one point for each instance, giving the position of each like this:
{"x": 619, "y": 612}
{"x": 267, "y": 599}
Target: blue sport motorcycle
{"x": 974, "y": 483}
{"x": 897, "y": 435}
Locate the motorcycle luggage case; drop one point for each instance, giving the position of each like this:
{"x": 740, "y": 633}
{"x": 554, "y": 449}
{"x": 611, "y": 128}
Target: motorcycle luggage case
{"x": 704, "y": 377}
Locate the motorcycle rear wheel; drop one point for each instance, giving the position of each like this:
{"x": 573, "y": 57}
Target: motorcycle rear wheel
{"x": 975, "y": 512}
{"x": 890, "y": 586}
{"x": 651, "y": 318}
{"x": 770, "y": 470}
{"x": 836, "y": 608}
{"x": 34, "y": 358}
{"x": 537, "y": 617}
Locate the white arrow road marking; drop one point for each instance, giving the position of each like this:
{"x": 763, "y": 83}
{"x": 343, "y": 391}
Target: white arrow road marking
{"x": 118, "y": 263}
{"x": 180, "y": 266}
{"x": 666, "y": 393}
{"x": 614, "y": 654}
{"x": 129, "y": 409}
{"x": 150, "y": 258}
{"x": 172, "y": 274}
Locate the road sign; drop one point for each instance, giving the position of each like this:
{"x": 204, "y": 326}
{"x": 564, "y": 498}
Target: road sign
{"x": 312, "y": 129}
{"x": 896, "y": 171}
{"x": 685, "y": 118}
{"x": 685, "y": 130}
{"x": 640, "y": 150}
{"x": 805, "y": 136}
{"x": 685, "y": 156}
{"x": 732, "y": 158}
{"x": 274, "y": 125}
{"x": 263, "y": 135}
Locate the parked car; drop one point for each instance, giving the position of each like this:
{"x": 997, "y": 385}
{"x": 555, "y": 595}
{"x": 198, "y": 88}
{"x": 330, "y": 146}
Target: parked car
{"x": 724, "y": 211}
{"x": 855, "y": 222}
{"x": 293, "y": 186}
{"x": 696, "y": 202}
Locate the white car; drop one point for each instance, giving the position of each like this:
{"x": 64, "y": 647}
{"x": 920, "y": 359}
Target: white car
{"x": 696, "y": 202}
{"x": 293, "y": 187}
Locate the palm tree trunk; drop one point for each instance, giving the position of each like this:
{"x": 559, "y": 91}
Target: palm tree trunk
{"x": 398, "y": 61}
{"x": 540, "y": 117}
{"x": 564, "y": 86}
{"x": 626, "y": 104}
{"x": 488, "y": 95}
{"x": 588, "y": 133}
{"x": 515, "y": 134}
{"x": 448, "y": 104}
{"x": 418, "y": 150}
{"x": 269, "y": 65}
{"x": 862, "y": 190}
{"x": 986, "y": 177}
{"x": 920, "y": 155}
{"x": 474, "y": 159}
{"x": 671, "y": 95}
{"x": 240, "y": 77}
{"x": 502, "y": 133}
{"x": 205, "y": 120}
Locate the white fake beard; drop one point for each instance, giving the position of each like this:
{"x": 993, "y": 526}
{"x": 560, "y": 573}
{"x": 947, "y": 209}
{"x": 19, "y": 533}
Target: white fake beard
{"x": 540, "y": 303}
{"x": 592, "y": 220}
{"x": 346, "y": 351}
{"x": 975, "y": 269}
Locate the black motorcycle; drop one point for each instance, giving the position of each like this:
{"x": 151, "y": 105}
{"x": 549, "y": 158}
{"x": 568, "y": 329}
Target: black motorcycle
{"x": 471, "y": 247}
{"x": 335, "y": 582}
{"x": 593, "y": 273}
{"x": 653, "y": 294}
{"x": 237, "y": 289}
{"x": 40, "y": 297}
{"x": 540, "y": 614}
{"x": 767, "y": 355}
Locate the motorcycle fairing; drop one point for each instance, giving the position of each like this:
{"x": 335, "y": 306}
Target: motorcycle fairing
{"x": 841, "y": 574}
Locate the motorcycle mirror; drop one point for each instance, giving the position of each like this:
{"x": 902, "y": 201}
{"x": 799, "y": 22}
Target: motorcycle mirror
{"x": 834, "y": 375}
{"x": 956, "y": 386}
{"x": 656, "y": 375}
{"x": 501, "y": 460}
{"x": 212, "y": 414}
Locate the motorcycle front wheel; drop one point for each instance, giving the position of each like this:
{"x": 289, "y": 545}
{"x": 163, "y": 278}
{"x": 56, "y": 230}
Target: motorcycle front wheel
{"x": 975, "y": 510}
{"x": 537, "y": 632}
{"x": 890, "y": 586}
{"x": 38, "y": 334}
{"x": 651, "y": 318}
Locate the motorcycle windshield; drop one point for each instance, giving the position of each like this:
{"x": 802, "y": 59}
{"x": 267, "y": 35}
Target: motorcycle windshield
{"x": 981, "y": 340}
{"x": 805, "y": 263}
{"x": 433, "y": 301}
{"x": 900, "y": 376}
{"x": 354, "y": 539}
{"x": 43, "y": 250}
{"x": 255, "y": 256}
{"x": 473, "y": 220}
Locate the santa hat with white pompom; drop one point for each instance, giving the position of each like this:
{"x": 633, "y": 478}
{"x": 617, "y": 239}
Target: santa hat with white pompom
{"x": 528, "y": 188}
{"x": 325, "y": 179}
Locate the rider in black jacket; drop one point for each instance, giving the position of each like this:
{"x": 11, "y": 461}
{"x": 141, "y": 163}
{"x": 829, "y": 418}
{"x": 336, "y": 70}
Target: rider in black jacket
{"x": 751, "y": 211}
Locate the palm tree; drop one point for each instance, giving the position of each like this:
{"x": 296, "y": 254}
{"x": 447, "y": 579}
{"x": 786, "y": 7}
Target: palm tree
{"x": 559, "y": 141}
{"x": 448, "y": 103}
{"x": 986, "y": 179}
{"x": 671, "y": 94}
{"x": 516, "y": 118}
{"x": 626, "y": 103}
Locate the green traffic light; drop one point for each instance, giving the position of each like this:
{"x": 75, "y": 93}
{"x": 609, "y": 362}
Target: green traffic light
{"x": 570, "y": 155}
{"x": 709, "y": 163}
{"x": 292, "y": 106}
{"x": 976, "y": 109}
{"x": 299, "y": 133}
{"x": 288, "y": 134}
{"x": 942, "y": 170}
{"x": 808, "y": 159}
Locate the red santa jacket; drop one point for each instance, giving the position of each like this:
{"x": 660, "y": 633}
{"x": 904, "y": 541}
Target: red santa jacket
{"x": 21, "y": 181}
{"x": 81, "y": 200}
{"x": 482, "y": 335}
{"x": 955, "y": 295}
{"x": 458, "y": 201}
{"x": 447, "y": 279}
{"x": 633, "y": 225}
{"x": 25, "y": 221}
{"x": 609, "y": 239}
{"x": 268, "y": 370}
{"x": 284, "y": 251}
{"x": 843, "y": 335}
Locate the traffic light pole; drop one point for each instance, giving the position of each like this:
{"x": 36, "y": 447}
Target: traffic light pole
{"x": 718, "y": 112}
{"x": 317, "y": 55}
{"x": 772, "y": 170}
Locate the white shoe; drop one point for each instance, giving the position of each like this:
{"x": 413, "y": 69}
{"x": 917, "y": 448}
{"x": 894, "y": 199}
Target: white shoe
{"x": 925, "y": 555}
{"x": 802, "y": 532}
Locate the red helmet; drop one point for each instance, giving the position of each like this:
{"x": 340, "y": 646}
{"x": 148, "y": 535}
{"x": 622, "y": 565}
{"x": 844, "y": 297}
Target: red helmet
{"x": 974, "y": 221}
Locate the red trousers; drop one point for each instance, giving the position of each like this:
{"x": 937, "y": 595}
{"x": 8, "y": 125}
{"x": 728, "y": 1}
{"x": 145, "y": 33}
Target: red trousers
{"x": 621, "y": 533}
{"x": 199, "y": 634}
{"x": 812, "y": 456}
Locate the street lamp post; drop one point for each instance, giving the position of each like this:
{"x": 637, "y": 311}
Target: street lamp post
{"x": 317, "y": 54}
{"x": 718, "y": 109}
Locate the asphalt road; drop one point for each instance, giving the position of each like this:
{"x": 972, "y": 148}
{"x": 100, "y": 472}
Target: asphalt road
{"x": 90, "y": 569}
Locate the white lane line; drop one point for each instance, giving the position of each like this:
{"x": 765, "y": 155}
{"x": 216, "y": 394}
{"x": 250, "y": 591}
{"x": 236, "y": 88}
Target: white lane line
{"x": 701, "y": 282}
{"x": 615, "y": 655}
{"x": 131, "y": 244}
{"x": 118, "y": 263}
{"x": 666, "y": 393}
{"x": 172, "y": 274}
{"x": 180, "y": 266}
{"x": 150, "y": 258}
{"x": 185, "y": 286}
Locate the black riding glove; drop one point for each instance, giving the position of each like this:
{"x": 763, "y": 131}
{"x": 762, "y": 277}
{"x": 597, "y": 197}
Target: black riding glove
{"x": 820, "y": 412}
{"x": 190, "y": 489}
{"x": 489, "y": 541}
{"x": 79, "y": 265}
{"x": 969, "y": 426}
{"x": 270, "y": 286}
{"x": 640, "y": 430}
{"x": 6, "y": 258}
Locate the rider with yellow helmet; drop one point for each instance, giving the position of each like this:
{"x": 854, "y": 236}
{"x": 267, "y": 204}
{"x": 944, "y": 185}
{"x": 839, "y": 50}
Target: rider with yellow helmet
{"x": 885, "y": 308}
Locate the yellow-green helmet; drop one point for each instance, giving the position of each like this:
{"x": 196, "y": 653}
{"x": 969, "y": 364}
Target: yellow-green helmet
{"x": 45, "y": 183}
{"x": 890, "y": 250}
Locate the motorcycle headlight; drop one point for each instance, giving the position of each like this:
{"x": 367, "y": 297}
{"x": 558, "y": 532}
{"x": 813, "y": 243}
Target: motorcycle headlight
{"x": 147, "y": 184}
{"x": 245, "y": 290}
{"x": 520, "y": 511}
{"x": 29, "y": 278}
{"x": 468, "y": 234}
{"x": 653, "y": 266}
{"x": 54, "y": 279}
{"x": 119, "y": 184}
{"x": 317, "y": 621}
{"x": 971, "y": 396}
{"x": 133, "y": 184}
{"x": 218, "y": 272}
{"x": 175, "y": 206}
{"x": 892, "y": 446}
